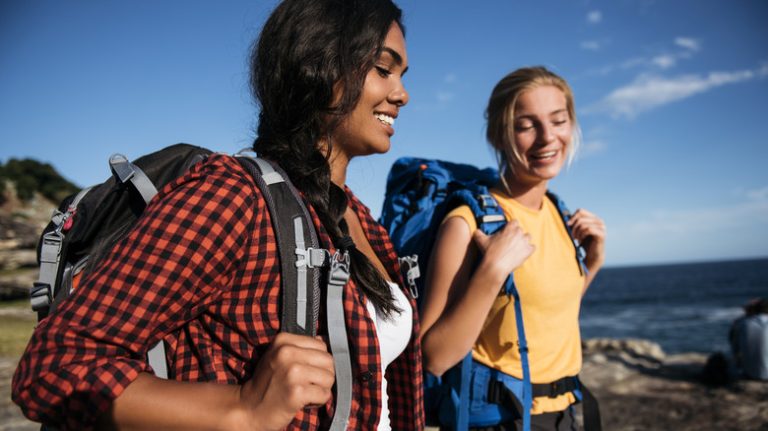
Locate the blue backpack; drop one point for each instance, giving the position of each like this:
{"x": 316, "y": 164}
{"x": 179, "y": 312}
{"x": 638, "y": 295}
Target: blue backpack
{"x": 419, "y": 195}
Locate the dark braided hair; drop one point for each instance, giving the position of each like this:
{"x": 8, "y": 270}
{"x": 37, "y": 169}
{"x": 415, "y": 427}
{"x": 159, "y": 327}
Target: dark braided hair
{"x": 307, "y": 49}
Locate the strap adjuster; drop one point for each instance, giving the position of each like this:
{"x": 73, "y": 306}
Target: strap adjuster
{"x": 40, "y": 296}
{"x": 412, "y": 272}
{"x": 122, "y": 169}
{"x": 493, "y": 218}
{"x": 487, "y": 201}
{"x": 311, "y": 257}
{"x": 338, "y": 275}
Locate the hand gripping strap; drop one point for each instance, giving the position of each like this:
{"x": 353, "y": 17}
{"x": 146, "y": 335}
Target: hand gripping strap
{"x": 490, "y": 218}
{"x": 284, "y": 204}
{"x": 294, "y": 232}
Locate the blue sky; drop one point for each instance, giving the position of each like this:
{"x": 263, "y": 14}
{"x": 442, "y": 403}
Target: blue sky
{"x": 672, "y": 98}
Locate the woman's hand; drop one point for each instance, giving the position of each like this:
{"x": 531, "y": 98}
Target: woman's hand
{"x": 295, "y": 372}
{"x": 589, "y": 230}
{"x": 505, "y": 250}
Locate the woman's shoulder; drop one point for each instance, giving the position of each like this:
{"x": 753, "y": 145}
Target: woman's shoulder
{"x": 217, "y": 187}
{"x": 462, "y": 212}
{"x": 218, "y": 174}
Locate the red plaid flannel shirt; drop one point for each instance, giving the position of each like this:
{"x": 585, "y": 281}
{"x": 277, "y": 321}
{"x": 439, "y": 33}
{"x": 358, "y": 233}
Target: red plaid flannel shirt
{"x": 200, "y": 270}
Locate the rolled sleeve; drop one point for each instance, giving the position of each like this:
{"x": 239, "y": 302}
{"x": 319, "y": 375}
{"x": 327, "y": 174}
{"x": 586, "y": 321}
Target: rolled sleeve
{"x": 174, "y": 263}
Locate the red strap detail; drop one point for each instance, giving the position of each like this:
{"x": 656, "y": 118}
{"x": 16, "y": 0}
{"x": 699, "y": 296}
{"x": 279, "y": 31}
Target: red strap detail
{"x": 70, "y": 221}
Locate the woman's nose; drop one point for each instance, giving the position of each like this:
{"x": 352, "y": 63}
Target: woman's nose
{"x": 399, "y": 96}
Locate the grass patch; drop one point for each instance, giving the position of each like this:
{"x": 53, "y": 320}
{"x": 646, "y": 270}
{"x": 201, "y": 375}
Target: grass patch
{"x": 15, "y": 327}
{"x": 18, "y": 304}
{"x": 17, "y": 271}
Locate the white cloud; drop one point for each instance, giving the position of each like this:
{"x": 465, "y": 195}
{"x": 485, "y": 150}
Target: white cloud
{"x": 591, "y": 45}
{"x": 444, "y": 96}
{"x": 648, "y": 91}
{"x": 758, "y": 195}
{"x": 688, "y": 43}
{"x": 594, "y": 17}
{"x": 593, "y": 147}
{"x": 661, "y": 61}
{"x": 677, "y": 222}
{"x": 690, "y": 234}
{"x": 664, "y": 61}
{"x": 450, "y": 78}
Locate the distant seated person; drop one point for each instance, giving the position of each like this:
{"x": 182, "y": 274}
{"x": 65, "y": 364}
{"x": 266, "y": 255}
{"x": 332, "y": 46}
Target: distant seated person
{"x": 749, "y": 340}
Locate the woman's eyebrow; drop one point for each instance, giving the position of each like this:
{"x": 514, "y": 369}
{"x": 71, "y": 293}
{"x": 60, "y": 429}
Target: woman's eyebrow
{"x": 527, "y": 115}
{"x": 395, "y": 56}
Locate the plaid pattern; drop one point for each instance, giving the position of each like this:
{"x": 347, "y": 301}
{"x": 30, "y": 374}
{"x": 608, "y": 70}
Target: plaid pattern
{"x": 201, "y": 268}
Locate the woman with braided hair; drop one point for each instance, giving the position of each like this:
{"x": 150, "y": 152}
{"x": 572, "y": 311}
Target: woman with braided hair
{"x": 200, "y": 271}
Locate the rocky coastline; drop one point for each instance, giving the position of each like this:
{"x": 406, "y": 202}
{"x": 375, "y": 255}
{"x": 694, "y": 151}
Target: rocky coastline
{"x": 642, "y": 388}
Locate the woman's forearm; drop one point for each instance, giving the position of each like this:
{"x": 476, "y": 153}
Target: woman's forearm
{"x": 453, "y": 334}
{"x": 151, "y": 403}
{"x": 296, "y": 371}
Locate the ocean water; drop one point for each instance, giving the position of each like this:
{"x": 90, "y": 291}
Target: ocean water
{"x": 683, "y": 307}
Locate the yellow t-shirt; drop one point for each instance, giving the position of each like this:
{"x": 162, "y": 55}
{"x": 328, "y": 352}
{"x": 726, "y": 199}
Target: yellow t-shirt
{"x": 550, "y": 285}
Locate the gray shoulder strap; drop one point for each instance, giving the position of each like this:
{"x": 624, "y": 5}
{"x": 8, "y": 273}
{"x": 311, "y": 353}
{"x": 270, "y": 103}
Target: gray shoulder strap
{"x": 301, "y": 260}
{"x": 338, "y": 276}
{"x": 44, "y": 289}
{"x": 124, "y": 171}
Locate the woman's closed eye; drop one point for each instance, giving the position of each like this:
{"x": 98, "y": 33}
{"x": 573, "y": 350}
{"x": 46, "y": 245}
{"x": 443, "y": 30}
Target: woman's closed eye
{"x": 524, "y": 126}
{"x": 383, "y": 71}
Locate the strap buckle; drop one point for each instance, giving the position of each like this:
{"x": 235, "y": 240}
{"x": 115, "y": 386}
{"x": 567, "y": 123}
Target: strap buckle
{"x": 122, "y": 169}
{"x": 555, "y": 388}
{"x": 487, "y": 201}
{"x": 338, "y": 275}
{"x": 412, "y": 272}
{"x": 311, "y": 257}
{"x": 40, "y": 296}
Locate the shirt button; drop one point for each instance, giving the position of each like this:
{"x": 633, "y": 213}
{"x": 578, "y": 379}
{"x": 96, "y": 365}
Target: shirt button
{"x": 366, "y": 376}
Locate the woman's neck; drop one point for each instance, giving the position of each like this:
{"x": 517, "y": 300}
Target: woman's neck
{"x": 339, "y": 170}
{"x": 338, "y": 162}
{"x": 530, "y": 195}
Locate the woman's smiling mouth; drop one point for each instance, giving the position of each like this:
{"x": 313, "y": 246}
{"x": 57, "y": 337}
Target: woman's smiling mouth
{"x": 385, "y": 119}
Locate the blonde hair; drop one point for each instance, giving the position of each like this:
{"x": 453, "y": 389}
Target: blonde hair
{"x": 500, "y": 114}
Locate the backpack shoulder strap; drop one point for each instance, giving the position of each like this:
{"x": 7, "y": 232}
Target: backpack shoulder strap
{"x": 565, "y": 215}
{"x": 295, "y": 235}
{"x": 295, "y": 231}
{"x": 490, "y": 219}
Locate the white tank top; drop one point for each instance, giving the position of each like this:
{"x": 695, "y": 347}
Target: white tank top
{"x": 393, "y": 334}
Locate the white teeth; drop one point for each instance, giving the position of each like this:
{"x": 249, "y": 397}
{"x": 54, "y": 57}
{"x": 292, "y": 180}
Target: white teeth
{"x": 545, "y": 155}
{"x": 386, "y": 119}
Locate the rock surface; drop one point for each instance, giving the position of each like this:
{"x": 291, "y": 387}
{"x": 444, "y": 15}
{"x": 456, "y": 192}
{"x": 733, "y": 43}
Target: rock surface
{"x": 641, "y": 388}
{"x": 21, "y": 223}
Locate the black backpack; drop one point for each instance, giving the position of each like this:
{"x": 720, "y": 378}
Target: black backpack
{"x": 86, "y": 226}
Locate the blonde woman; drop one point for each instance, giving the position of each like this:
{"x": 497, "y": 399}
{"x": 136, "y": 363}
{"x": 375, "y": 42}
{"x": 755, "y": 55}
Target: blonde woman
{"x": 532, "y": 128}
